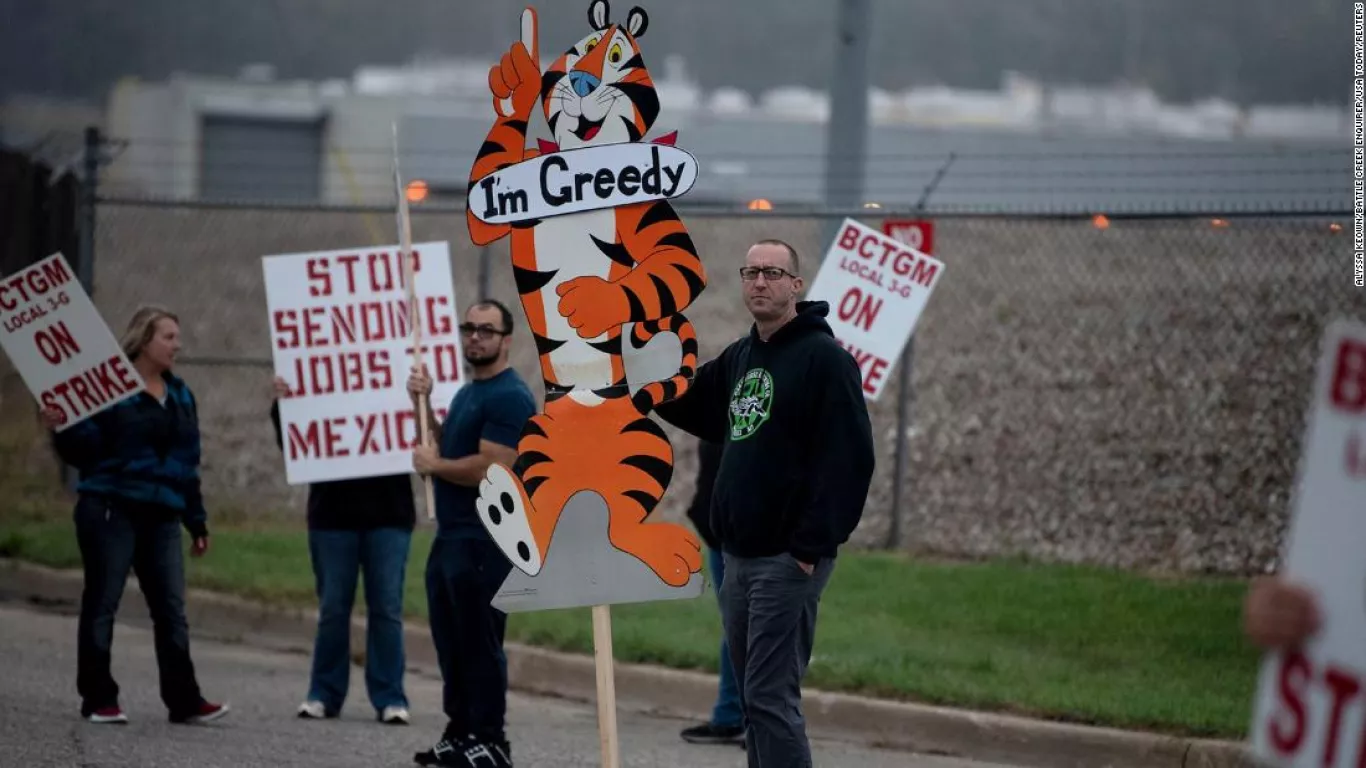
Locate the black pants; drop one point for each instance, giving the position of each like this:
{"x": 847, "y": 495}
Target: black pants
{"x": 462, "y": 577}
{"x": 112, "y": 540}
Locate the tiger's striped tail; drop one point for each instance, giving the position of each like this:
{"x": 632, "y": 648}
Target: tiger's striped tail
{"x": 653, "y": 394}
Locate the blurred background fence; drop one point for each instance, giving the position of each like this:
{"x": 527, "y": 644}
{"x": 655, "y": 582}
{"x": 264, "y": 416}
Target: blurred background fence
{"x": 1127, "y": 391}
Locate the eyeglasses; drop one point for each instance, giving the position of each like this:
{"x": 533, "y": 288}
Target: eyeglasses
{"x": 484, "y": 332}
{"x": 770, "y": 273}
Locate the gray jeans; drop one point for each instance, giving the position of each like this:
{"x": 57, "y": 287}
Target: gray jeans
{"x": 768, "y": 607}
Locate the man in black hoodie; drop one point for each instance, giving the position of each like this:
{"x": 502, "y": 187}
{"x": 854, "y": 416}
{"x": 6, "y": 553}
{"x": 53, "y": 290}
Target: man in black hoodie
{"x": 787, "y": 403}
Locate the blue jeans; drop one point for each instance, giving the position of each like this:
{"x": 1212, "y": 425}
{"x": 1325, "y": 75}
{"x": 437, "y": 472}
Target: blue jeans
{"x": 339, "y": 556}
{"x": 114, "y": 538}
{"x": 727, "y": 709}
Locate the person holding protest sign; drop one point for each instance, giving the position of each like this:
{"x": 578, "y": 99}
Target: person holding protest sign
{"x": 1279, "y": 614}
{"x": 725, "y": 726}
{"x": 139, "y": 482}
{"x": 361, "y": 525}
{"x": 787, "y": 402}
{"x": 465, "y": 568}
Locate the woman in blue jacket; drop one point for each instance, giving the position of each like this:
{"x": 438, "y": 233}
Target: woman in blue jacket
{"x": 139, "y": 482}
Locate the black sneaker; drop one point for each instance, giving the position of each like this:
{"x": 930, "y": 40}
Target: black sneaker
{"x": 479, "y": 754}
{"x": 449, "y": 751}
{"x": 711, "y": 733}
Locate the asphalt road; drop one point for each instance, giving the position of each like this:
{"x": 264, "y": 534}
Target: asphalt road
{"x": 40, "y": 723}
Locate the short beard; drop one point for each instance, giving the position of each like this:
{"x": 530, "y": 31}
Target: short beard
{"x": 480, "y": 362}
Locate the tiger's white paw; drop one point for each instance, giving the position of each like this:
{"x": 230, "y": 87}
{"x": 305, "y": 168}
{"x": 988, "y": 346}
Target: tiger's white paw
{"x": 503, "y": 508}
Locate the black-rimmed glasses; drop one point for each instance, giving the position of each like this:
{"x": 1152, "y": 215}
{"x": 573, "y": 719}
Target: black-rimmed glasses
{"x": 484, "y": 332}
{"x": 770, "y": 273}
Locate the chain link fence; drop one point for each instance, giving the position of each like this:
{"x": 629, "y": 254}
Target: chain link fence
{"x": 1128, "y": 392}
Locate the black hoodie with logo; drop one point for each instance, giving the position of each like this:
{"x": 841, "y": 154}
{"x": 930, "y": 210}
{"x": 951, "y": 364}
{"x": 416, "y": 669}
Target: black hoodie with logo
{"x": 798, "y": 455}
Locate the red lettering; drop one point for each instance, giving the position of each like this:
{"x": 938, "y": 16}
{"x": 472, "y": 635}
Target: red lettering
{"x": 405, "y": 424}
{"x": 887, "y": 250}
{"x": 860, "y": 308}
{"x": 55, "y": 343}
{"x": 286, "y": 329}
{"x": 82, "y": 390}
{"x": 372, "y": 321}
{"x": 324, "y": 374}
{"x": 1294, "y": 677}
{"x": 447, "y": 363}
{"x": 374, "y": 261}
{"x": 318, "y": 273}
{"x": 55, "y": 274}
{"x": 350, "y": 260}
{"x": 849, "y": 237}
{"x": 344, "y": 324}
{"x": 90, "y": 389}
{"x": 312, "y": 329}
{"x": 306, "y": 443}
{"x": 438, "y": 324}
{"x": 924, "y": 272}
{"x": 871, "y": 367}
{"x": 319, "y": 440}
{"x": 903, "y": 262}
{"x": 33, "y": 283}
{"x": 864, "y": 245}
{"x": 103, "y": 378}
{"x": 875, "y": 372}
{"x": 367, "y": 437}
{"x": 352, "y": 373}
{"x": 1344, "y": 687}
{"x": 1349, "y": 377}
{"x": 50, "y": 401}
{"x": 64, "y": 389}
{"x": 382, "y": 374}
{"x": 120, "y": 370}
{"x": 323, "y": 363}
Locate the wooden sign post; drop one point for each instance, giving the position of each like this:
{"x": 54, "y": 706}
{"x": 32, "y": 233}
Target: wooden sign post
{"x": 405, "y": 236}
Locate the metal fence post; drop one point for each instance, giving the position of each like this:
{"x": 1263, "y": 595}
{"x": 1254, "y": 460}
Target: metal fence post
{"x": 85, "y": 256}
{"x": 85, "y": 244}
{"x": 903, "y": 391}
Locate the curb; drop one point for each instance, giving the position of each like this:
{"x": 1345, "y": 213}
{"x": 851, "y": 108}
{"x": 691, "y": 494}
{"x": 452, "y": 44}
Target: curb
{"x": 1011, "y": 740}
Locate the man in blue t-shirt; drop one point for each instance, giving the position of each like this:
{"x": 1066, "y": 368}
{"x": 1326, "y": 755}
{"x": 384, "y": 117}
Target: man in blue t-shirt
{"x": 465, "y": 568}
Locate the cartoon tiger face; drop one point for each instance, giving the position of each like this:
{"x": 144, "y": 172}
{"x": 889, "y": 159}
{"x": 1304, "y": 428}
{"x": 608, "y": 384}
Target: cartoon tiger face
{"x": 599, "y": 91}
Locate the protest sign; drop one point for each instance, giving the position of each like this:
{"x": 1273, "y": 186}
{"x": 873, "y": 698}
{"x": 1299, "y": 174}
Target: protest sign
{"x": 877, "y": 288}
{"x": 60, "y": 345}
{"x": 1310, "y": 706}
{"x": 342, "y": 338}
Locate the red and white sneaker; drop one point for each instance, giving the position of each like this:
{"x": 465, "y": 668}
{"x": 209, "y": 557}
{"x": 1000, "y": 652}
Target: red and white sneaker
{"x": 108, "y": 715}
{"x": 207, "y": 712}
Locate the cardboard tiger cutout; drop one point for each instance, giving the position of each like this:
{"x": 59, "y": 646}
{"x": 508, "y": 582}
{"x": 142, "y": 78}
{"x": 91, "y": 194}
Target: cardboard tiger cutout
{"x": 622, "y": 259}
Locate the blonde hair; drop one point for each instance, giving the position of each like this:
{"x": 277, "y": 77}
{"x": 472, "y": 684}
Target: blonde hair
{"x": 142, "y": 327}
